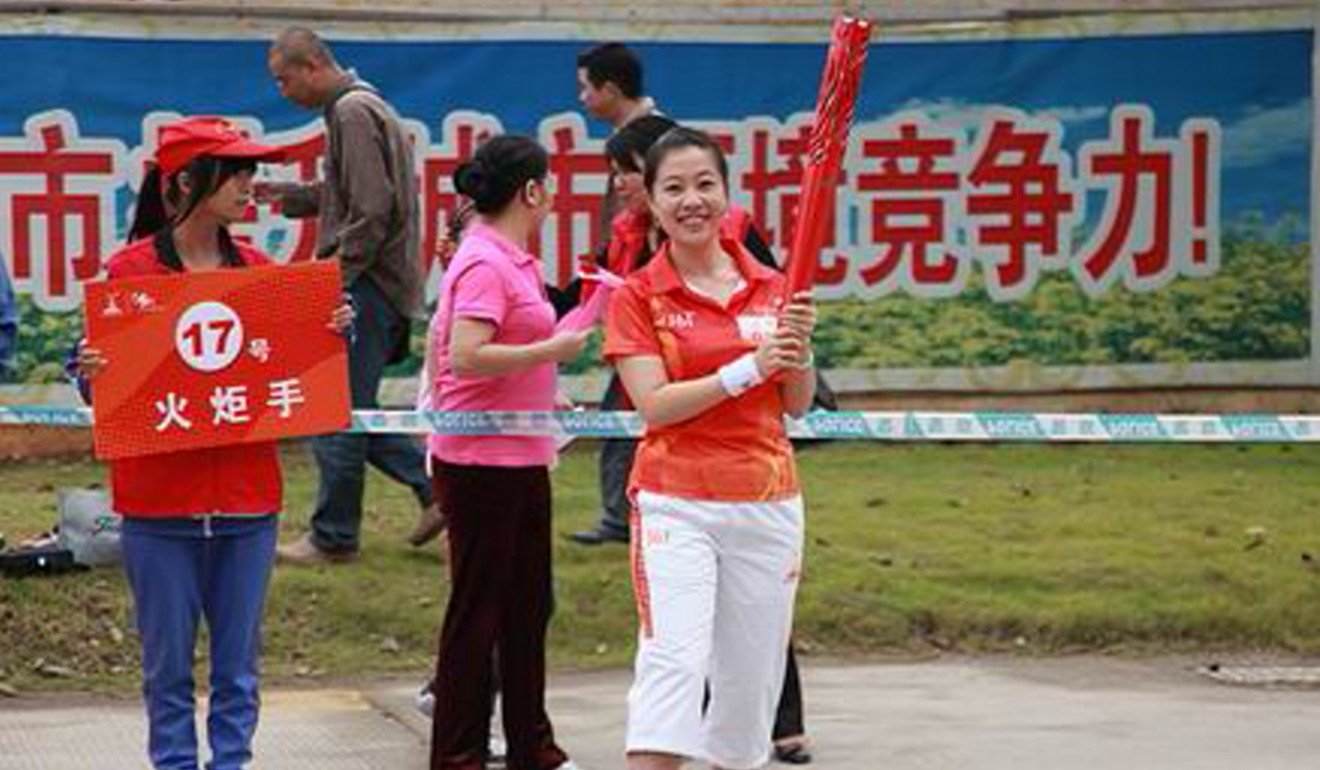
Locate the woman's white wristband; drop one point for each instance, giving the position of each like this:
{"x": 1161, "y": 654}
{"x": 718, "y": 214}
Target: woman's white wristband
{"x": 740, "y": 375}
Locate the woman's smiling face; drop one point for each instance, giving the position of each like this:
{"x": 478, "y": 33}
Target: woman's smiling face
{"x": 688, "y": 198}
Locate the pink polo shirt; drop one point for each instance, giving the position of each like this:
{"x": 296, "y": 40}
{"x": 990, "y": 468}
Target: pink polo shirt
{"x": 491, "y": 279}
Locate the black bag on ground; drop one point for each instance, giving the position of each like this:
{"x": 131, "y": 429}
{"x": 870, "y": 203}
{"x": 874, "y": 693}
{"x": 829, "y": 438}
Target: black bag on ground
{"x": 39, "y": 560}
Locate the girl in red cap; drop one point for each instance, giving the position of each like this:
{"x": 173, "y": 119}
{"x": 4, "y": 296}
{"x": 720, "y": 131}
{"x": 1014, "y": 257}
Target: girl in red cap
{"x": 199, "y": 526}
{"x": 713, "y": 358}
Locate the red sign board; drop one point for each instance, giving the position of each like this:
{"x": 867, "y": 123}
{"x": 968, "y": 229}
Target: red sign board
{"x": 214, "y": 358}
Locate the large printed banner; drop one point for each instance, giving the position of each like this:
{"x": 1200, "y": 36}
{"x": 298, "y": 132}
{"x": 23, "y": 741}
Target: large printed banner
{"x": 1052, "y": 211}
{"x": 215, "y": 358}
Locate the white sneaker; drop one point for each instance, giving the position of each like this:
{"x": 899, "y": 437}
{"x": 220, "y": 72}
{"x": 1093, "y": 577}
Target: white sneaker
{"x": 425, "y": 701}
{"x": 496, "y": 748}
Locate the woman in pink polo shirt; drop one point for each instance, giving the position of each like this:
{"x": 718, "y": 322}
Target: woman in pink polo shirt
{"x": 494, "y": 349}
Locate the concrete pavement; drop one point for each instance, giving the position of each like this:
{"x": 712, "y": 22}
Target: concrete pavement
{"x": 978, "y": 713}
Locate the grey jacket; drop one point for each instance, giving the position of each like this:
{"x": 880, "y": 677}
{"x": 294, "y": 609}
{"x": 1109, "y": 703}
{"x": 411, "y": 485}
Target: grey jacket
{"x": 367, "y": 203}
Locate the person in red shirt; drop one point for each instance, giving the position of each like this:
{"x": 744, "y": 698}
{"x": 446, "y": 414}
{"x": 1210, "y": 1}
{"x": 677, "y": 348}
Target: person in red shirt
{"x": 714, "y": 358}
{"x": 199, "y": 526}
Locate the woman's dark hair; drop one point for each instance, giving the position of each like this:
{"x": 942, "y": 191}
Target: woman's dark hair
{"x": 634, "y": 140}
{"x": 207, "y": 174}
{"x": 149, "y": 214}
{"x": 499, "y": 170}
{"x": 161, "y": 205}
{"x": 680, "y": 138}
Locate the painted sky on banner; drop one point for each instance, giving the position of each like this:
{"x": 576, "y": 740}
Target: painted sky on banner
{"x": 1255, "y": 85}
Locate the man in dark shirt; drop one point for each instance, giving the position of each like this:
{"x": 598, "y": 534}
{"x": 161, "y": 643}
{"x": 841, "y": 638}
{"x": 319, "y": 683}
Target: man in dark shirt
{"x": 367, "y": 208}
{"x": 610, "y": 88}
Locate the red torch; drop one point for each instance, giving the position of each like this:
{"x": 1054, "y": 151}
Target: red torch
{"x": 829, "y": 139}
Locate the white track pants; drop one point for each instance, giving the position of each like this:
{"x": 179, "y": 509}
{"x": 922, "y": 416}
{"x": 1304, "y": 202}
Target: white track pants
{"x": 715, "y": 584}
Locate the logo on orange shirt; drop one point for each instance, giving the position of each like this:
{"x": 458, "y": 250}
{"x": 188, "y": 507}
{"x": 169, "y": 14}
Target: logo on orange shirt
{"x": 678, "y": 319}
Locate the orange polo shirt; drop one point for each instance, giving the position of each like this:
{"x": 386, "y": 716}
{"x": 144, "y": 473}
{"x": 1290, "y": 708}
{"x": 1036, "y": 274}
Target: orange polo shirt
{"x": 736, "y": 451}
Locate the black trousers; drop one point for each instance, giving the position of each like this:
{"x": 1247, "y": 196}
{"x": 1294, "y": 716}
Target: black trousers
{"x": 616, "y": 462}
{"x": 500, "y": 598}
{"x": 789, "y": 715}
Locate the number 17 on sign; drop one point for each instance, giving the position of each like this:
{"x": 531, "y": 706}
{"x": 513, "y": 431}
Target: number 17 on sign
{"x": 209, "y": 336}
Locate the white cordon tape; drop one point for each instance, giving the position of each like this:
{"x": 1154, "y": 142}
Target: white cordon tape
{"x": 874, "y": 426}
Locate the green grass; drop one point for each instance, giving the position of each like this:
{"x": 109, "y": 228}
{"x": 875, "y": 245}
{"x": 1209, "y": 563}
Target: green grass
{"x": 1030, "y": 548}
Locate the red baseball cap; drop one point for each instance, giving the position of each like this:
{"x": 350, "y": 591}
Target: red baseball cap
{"x": 190, "y": 138}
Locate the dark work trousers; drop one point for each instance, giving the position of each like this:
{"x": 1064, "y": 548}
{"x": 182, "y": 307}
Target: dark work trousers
{"x": 342, "y": 457}
{"x": 788, "y": 717}
{"x": 616, "y": 462}
{"x": 500, "y": 598}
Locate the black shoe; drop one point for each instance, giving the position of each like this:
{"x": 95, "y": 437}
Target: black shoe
{"x": 597, "y": 537}
{"x": 793, "y": 754}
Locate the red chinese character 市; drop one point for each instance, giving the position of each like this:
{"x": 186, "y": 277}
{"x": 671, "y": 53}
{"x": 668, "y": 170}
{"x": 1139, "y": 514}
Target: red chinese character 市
{"x": 49, "y": 180}
{"x": 578, "y": 175}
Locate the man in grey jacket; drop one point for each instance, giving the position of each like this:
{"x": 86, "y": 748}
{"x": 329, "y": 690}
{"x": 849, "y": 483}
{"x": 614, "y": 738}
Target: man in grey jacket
{"x": 367, "y": 209}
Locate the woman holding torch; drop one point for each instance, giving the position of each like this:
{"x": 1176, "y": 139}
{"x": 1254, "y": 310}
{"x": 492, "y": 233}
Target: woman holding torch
{"x": 713, "y": 357}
